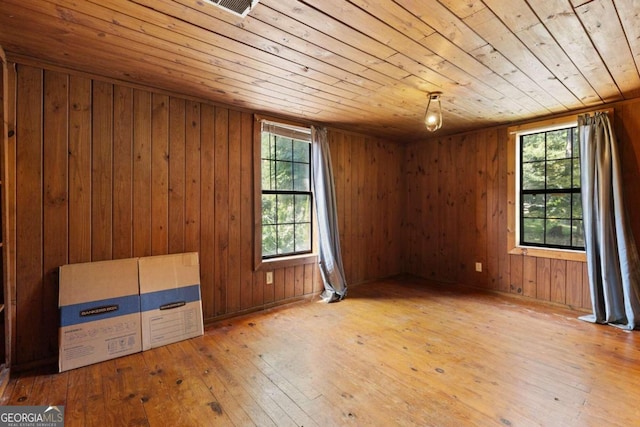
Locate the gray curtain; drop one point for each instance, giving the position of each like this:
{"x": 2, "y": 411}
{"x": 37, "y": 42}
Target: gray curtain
{"x": 331, "y": 269}
{"x": 612, "y": 257}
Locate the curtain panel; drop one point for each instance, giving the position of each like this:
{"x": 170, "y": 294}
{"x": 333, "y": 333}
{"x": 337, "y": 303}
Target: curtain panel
{"x": 612, "y": 257}
{"x": 330, "y": 260}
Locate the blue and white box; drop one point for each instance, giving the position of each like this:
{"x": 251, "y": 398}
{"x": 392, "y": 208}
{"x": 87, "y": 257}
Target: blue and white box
{"x": 99, "y": 312}
{"x": 170, "y": 299}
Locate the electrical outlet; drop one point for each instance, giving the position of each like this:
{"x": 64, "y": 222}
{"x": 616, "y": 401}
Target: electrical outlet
{"x": 269, "y": 278}
{"x": 479, "y": 267}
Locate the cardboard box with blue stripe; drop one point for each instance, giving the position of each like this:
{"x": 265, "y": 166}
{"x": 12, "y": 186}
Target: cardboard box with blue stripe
{"x": 99, "y": 312}
{"x": 170, "y": 301}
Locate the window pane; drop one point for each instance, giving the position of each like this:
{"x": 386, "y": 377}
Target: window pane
{"x": 576, "y": 173}
{"x": 267, "y": 146}
{"x": 284, "y": 176}
{"x": 286, "y": 238}
{"x": 283, "y": 148}
{"x": 269, "y": 213}
{"x": 303, "y": 237}
{"x": 558, "y": 232}
{"x": 575, "y": 152}
{"x": 303, "y": 208}
{"x": 558, "y": 144}
{"x": 559, "y": 174}
{"x": 269, "y": 240}
{"x": 577, "y": 233}
{"x": 285, "y": 208}
{"x": 559, "y": 205}
{"x": 533, "y": 230}
{"x": 533, "y": 176}
{"x": 301, "y": 176}
{"x": 577, "y": 206}
{"x": 532, "y": 147}
{"x": 533, "y": 205}
{"x": 301, "y": 151}
{"x": 268, "y": 174}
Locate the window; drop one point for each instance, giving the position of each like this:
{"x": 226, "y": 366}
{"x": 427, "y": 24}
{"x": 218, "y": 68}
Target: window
{"x": 549, "y": 189}
{"x": 544, "y": 206}
{"x": 286, "y": 199}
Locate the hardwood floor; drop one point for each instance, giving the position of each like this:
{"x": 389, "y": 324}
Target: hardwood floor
{"x": 398, "y": 352}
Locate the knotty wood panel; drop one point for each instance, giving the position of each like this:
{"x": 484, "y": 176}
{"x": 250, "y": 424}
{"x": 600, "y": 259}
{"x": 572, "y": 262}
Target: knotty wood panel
{"x": 102, "y": 171}
{"x": 234, "y": 158}
{"x": 529, "y": 279}
{"x": 141, "y": 173}
{"x": 192, "y": 177}
{"x": 6, "y": 292}
{"x": 29, "y": 205}
{"x": 207, "y": 208}
{"x": 9, "y": 205}
{"x": 159, "y": 174}
{"x": 55, "y": 178}
{"x": 289, "y": 282}
{"x": 221, "y": 200}
{"x": 574, "y": 283}
{"x": 134, "y": 172}
{"x": 483, "y": 215}
{"x": 504, "y": 268}
{"x": 586, "y": 291}
{"x": 80, "y": 170}
{"x": 543, "y": 279}
{"x": 122, "y": 174}
{"x": 177, "y": 177}
{"x": 358, "y": 206}
{"x": 246, "y": 213}
{"x": 558, "y": 280}
{"x": 516, "y": 273}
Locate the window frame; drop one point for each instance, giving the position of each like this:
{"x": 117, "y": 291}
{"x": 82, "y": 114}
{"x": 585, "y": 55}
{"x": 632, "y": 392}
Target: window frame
{"x": 267, "y": 264}
{"x": 513, "y": 191}
{"x": 546, "y": 192}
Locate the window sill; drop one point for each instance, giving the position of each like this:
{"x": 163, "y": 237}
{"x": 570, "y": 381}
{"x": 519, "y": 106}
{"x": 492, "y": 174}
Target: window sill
{"x": 283, "y": 262}
{"x": 549, "y": 253}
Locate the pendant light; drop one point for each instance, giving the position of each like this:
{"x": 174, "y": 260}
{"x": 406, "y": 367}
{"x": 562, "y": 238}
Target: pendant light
{"x": 433, "y": 115}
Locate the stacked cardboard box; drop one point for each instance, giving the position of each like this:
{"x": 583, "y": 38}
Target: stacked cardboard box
{"x": 114, "y": 308}
{"x": 170, "y": 301}
{"x": 99, "y": 312}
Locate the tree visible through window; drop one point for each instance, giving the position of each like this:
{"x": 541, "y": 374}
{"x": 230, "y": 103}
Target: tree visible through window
{"x": 550, "y": 204}
{"x": 286, "y": 192}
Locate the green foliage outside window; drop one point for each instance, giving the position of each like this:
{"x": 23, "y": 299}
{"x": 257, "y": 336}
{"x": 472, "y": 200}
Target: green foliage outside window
{"x": 286, "y": 195}
{"x": 551, "y": 207}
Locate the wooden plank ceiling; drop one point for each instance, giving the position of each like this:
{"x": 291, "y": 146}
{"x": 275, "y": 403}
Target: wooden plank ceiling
{"x": 365, "y": 65}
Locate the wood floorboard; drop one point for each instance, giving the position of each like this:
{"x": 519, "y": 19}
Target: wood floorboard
{"x": 397, "y": 352}
{"x": 74, "y": 415}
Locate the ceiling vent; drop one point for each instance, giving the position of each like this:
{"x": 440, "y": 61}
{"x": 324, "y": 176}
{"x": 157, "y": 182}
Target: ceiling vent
{"x": 237, "y": 7}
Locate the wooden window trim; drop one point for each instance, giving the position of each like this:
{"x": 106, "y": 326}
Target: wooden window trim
{"x": 260, "y": 264}
{"x": 512, "y": 199}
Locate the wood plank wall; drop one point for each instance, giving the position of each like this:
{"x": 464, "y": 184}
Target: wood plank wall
{"x": 369, "y": 191}
{"x": 456, "y": 214}
{"x": 106, "y": 171}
